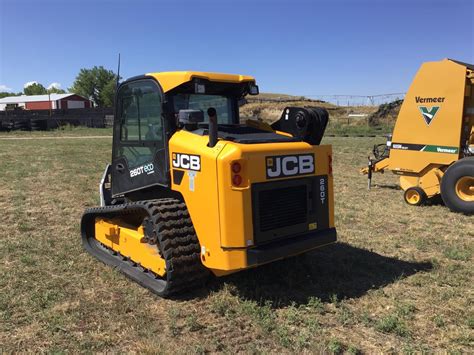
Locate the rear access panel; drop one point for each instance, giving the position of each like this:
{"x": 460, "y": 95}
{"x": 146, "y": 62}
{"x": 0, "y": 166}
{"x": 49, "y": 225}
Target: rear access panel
{"x": 289, "y": 207}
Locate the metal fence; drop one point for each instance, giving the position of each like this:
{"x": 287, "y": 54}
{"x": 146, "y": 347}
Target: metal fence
{"x": 49, "y": 119}
{"x": 339, "y": 100}
{"x": 359, "y": 100}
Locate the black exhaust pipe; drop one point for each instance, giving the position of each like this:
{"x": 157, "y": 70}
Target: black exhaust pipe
{"x": 211, "y": 112}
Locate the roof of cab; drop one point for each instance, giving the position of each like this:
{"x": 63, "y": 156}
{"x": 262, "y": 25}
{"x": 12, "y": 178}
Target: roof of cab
{"x": 467, "y": 65}
{"x": 172, "y": 79}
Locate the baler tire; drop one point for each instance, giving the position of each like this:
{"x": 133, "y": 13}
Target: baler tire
{"x": 462, "y": 168}
{"x": 417, "y": 191}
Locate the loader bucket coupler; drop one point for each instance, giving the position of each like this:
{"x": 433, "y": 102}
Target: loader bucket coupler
{"x": 305, "y": 123}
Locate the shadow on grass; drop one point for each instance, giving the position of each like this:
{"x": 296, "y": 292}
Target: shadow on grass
{"x": 338, "y": 269}
{"x": 389, "y": 186}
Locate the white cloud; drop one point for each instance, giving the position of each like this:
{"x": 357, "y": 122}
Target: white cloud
{"x": 29, "y": 83}
{"x": 54, "y": 85}
{"x": 5, "y": 88}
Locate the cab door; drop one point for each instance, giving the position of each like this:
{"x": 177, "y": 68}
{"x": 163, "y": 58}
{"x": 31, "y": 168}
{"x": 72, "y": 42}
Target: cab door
{"x": 139, "y": 158}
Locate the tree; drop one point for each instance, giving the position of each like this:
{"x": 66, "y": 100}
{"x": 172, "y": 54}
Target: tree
{"x": 108, "y": 93}
{"x": 55, "y": 90}
{"x": 7, "y": 94}
{"x": 97, "y": 84}
{"x": 35, "y": 89}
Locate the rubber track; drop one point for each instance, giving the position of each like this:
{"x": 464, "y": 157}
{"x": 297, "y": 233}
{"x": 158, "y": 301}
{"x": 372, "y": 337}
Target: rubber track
{"x": 173, "y": 232}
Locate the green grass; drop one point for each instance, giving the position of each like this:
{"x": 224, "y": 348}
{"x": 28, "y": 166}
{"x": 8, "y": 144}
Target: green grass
{"x": 339, "y": 128}
{"x": 66, "y": 130}
{"x": 458, "y": 253}
{"x": 392, "y": 324}
{"x": 399, "y": 280}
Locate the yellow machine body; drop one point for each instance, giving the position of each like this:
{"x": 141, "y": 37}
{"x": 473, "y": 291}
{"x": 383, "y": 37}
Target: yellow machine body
{"x": 221, "y": 212}
{"x": 444, "y": 89}
{"x": 170, "y": 80}
{"x": 434, "y": 128}
{"x": 129, "y": 242}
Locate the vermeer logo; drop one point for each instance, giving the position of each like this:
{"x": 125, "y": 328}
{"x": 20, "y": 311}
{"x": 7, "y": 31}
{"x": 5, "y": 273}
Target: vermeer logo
{"x": 187, "y": 161}
{"x": 289, "y": 165}
{"x": 428, "y": 113}
{"x": 428, "y": 100}
{"x": 446, "y": 150}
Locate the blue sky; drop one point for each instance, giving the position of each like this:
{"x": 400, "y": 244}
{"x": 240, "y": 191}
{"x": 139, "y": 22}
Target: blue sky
{"x": 296, "y": 47}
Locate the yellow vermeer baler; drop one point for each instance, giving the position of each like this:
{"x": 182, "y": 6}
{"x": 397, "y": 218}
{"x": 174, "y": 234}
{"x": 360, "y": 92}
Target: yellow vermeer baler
{"x": 432, "y": 146}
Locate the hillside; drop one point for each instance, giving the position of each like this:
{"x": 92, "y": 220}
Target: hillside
{"x": 368, "y": 119}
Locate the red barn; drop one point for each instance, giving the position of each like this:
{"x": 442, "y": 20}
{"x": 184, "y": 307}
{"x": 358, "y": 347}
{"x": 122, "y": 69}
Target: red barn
{"x": 45, "y": 102}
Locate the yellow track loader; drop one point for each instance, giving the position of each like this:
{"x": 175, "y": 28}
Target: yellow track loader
{"x": 190, "y": 190}
{"x": 432, "y": 146}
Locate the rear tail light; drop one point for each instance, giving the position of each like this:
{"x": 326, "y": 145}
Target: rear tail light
{"x": 236, "y": 167}
{"x": 237, "y": 180}
{"x": 329, "y": 164}
{"x": 238, "y": 173}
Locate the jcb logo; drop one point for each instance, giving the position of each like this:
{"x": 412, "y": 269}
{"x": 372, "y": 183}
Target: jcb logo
{"x": 289, "y": 165}
{"x": 186, "y": 161}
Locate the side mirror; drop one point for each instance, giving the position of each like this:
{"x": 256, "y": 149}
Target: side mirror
{"x": 253, "y": 89}
{"x": 190, "y": 116}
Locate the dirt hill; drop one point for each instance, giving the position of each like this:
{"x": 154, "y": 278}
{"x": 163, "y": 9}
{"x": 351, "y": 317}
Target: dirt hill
{"x": 343, "y": 119}
{"x": 386, "y": 113}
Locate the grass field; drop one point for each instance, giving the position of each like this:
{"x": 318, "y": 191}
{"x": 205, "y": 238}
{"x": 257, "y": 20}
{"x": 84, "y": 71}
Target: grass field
{"x": 399, "y": 280}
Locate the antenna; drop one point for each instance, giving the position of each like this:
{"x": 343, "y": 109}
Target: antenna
{"x": 118, "y": 71}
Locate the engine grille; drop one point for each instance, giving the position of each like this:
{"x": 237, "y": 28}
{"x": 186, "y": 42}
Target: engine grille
{"x": 282, "y": 207}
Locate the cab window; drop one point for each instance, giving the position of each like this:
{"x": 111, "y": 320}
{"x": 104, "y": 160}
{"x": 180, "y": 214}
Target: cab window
{"x": 141, "y": 125}
{"x": 222, "y": 104}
